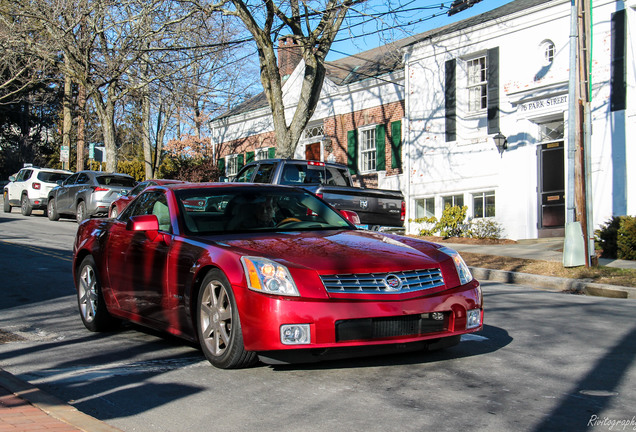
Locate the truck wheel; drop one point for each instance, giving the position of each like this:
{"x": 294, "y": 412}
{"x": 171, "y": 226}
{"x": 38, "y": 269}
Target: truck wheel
{"x": 25, "y": 206}
{"x": 7, "y": 206}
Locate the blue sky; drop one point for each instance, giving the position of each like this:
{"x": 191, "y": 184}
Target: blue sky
{"x": 418, "y": 16}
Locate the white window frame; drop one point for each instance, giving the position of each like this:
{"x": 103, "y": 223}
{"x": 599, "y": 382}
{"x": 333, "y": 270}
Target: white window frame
{"x": 453, "y": 197}
{"x": 482, "y": 196}
{"x": 231, "y": 165}
{"x": 425, "y": 201}
{"x": 548, "y": 51}
{"x": 367, "y": 151}
{"x": 477, "y": 84}
{"x": 261, "y": 153}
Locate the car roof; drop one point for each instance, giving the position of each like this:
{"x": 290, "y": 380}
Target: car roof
{"x": 299, "y": 161}
{"x": 221, "y": 185}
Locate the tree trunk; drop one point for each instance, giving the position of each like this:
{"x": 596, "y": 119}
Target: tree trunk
{"x": 68, "y": 121}
{"x": 106, "y": 113}
{"x": 81, "y": 126}
{"x": 149, "y": 166}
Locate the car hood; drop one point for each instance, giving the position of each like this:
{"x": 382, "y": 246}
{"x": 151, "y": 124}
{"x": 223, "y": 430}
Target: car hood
{"x": 341, "y": 251}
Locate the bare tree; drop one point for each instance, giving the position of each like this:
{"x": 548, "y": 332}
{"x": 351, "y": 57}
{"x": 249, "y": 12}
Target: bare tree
{"x": 313, "y": 25}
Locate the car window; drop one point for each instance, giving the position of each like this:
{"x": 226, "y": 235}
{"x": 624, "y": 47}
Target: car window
{"x": 24, "y": 175}
{"x": 337, "y": 177}
{"x": 82, "y": 178}
{"x": 150, "y": 203}
{"x": 246, "y": 174}
{"x": 52, "y": 177}
{"x": 71, "y": 180}
{"x": 303, "y": 174}
{"x": 137, "y": 189}
{"x": 264, "y": 173}
{"x": 115, "y": 180}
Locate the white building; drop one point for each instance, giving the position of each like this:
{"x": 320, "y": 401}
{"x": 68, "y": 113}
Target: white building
{"x": 507, "y": 71}
{"x": 450, "y": 91}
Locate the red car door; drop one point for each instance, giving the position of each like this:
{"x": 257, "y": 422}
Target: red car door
{"x": 138, "y": 263}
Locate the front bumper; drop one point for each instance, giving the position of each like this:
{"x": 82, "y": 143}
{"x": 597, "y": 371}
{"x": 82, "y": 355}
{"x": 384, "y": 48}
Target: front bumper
{"x": 354, "y": 322}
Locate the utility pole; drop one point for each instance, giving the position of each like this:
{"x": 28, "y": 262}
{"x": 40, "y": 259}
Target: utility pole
{"x": 579, "y": 192}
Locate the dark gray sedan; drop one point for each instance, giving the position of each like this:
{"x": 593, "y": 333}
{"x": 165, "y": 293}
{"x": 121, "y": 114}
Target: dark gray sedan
{"x": 87, "y": 193}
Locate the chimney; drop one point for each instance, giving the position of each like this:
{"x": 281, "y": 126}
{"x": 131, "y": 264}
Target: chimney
{"x": 289, "y": 55}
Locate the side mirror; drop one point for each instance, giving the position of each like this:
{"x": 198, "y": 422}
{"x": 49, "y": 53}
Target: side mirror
{"x": 12, "y": 178}
{"x": 351, "y": 216}
{"x": 60, "y": 182}
{"x": 143, "y": 223}
{"x": 224, "y": 179}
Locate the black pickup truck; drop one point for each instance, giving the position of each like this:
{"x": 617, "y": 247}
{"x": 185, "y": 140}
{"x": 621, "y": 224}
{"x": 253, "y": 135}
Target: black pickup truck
{"x": 377, "y": 208}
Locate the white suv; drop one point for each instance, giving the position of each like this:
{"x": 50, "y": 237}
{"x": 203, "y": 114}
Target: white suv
{"x": 29, "y": 188}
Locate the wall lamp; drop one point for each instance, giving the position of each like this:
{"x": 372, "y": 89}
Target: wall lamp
{"x": 501, "y": 142}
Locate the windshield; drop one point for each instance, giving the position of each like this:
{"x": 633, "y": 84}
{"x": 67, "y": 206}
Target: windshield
{"x": 255, "y": 209}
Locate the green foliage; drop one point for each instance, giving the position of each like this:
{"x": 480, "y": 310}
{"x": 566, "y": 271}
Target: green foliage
{"x": 134, "y": 168}
{"x": 431, "y": 228}
{"x": 626, "y": 240}
{"x": 190, "y": 169}
{"x": 606, "y": 237}
{"x": 451, "y": 223}
{"x": 617, "y": 238}
{"x": 486, "y": 228}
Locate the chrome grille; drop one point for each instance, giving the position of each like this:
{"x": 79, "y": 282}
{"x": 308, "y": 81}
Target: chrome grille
{"x": 374, "y": 283}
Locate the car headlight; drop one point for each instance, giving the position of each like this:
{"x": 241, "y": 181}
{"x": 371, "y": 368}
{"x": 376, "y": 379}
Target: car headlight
{"x": 268, "y": 276}
{"x": 463, "y": 271}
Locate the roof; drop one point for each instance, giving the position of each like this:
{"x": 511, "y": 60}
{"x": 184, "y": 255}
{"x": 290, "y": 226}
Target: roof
{"x": 388, "y": 58}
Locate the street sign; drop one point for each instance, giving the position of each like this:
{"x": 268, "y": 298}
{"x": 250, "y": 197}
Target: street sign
{"x": 64, "y": 153}
{"x": 91, "y": 151}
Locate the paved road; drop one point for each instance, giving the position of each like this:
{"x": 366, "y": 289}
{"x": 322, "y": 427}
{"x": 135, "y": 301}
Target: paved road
{"x": 544, "y": 361}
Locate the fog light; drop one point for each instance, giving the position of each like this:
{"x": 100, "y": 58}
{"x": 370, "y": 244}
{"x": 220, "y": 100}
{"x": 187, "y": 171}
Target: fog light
{"x": 295, "y": 334}
{"x": 438, "y": 316}
{"x": 473, "y": 318}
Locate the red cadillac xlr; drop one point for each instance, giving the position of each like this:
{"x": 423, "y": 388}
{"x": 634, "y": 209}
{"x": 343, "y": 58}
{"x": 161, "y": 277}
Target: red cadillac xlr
{"x": 269, "y": 272}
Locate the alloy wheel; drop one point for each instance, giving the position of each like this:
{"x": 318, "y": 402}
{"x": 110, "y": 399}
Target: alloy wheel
{"x": 87, "y": 293}
{"x": 216, "y": 318}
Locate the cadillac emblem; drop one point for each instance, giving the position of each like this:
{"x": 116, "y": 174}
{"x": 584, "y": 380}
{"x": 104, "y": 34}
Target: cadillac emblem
{"x": 392, "y": 282}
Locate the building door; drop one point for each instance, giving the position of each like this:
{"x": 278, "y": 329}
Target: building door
{"x": 312, "y": 151}
{"x": 551, "y": 189}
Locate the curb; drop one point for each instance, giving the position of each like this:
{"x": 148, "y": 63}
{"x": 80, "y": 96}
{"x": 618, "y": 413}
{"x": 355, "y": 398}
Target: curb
{"x": 52, "y": 406}
{"x": 558, "y": 283}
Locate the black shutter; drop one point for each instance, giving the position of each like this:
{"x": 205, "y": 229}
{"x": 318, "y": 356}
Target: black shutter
{"x": 450, "y": 101}
{"x": 618, "y": 85}
{"x": 493, "y": 90}
{"x": 352, "y": 151}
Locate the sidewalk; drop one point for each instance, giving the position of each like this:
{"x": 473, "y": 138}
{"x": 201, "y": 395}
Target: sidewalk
{"x": 545, "y": 250}
{"x": 24, "y": 407}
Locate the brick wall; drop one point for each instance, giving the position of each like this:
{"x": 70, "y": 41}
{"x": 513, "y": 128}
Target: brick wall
{"x": 337, "y": 127}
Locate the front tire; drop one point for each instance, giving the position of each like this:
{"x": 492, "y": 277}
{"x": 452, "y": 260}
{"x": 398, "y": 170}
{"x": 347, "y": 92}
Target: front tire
{"x": 51, "y": 210}
{"x": 90, "y": 300}
{"x": 25, "y": 206}
{"x": 5, "y": 199}
{"x": 218, "y": 324}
